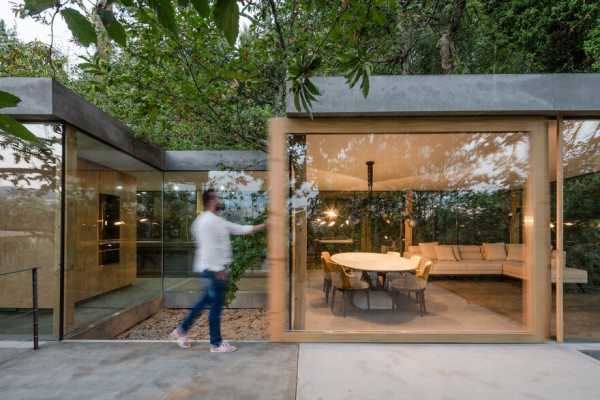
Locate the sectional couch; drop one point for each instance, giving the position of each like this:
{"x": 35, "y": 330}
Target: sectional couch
{"x": 487, "y": 259}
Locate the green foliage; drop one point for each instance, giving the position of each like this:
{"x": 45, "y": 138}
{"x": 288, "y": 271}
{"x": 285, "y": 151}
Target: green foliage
{"x": 11, "y": 126}
{"x": 114, "y": 29}
{"x": 35, "y": 7}
{"x": 248, "y": 252}
{"x": 227, "y": 15}
{"x": 202, "y": 7}
{"x": 82, "y": 29}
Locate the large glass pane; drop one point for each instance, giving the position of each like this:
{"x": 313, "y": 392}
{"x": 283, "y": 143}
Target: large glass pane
{"x": 408, "y": 232}
{"x": 30, "y": 204}
{"x": 244, "y": 199}
{"x": 113, "y": 232}
{"x": 581, "y": 160}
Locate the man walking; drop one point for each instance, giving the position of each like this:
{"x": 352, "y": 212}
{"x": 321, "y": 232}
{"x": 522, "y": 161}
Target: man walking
{"x": 212, "y": 258}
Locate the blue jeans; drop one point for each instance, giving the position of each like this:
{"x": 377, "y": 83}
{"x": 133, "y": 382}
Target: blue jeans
{"x": 214, "y": 293}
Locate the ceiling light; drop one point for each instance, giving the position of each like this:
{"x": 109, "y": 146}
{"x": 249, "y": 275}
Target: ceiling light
{"x": 119, "y": 187}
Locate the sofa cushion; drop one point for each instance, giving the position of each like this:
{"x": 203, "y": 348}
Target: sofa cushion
{"x": 515, "y": 252}
{"x": 414, "y": 251}
{"x": 513, "y": 268}
{"x": 444, "y": 253}
{"x": 428, "y": 250}
{"x": 470, "y": 252}
{"x": 467, "y": 267}
{"x": 494, "y": 251}
{"x": 571, "y": 275}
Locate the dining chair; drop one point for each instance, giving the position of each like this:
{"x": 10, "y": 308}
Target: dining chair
{"x": 325, "y": 261}
{"x": 412, "y": 284}
{"x": 415, "y": 263}
{"x": 347, "y": 284}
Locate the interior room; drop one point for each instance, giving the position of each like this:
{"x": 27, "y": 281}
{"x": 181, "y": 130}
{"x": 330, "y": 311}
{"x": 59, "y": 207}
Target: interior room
{"x": 445, "y": 211}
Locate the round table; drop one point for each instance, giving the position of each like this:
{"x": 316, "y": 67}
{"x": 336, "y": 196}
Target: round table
{"x": 373, "y": 262}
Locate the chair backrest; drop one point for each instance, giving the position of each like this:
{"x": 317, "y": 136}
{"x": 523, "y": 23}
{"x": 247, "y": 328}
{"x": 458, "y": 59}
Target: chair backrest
{"x": 339, "y": 278}
{"x": 423, "y": 273}
{"x": 416, "y": 262}
{"x": 325, "y": 257}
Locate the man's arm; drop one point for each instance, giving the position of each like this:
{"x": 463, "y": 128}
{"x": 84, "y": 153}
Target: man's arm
{"x": 236, "y": 229}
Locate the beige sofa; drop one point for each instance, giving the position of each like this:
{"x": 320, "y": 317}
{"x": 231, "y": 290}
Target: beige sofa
{"x": 471, "y": 260}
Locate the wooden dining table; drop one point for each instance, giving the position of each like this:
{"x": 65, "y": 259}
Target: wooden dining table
{"x": 373, "y": 262}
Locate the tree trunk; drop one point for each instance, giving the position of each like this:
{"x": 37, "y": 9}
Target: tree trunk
{"x": 446, "y": 43}
{"x": 103, "y": 46}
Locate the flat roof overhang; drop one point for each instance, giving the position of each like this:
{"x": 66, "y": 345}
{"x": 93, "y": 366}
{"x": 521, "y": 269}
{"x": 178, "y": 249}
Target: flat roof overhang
{"x": 44, "y": 99}
{"x": 457, "y": 95}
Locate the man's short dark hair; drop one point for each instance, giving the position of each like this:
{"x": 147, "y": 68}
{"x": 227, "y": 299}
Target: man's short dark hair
{"x": 207, "y": 196}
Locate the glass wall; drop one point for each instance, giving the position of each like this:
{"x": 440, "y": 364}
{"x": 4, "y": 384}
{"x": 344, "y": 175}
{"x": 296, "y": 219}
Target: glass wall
{"x": 30, "y": 210}
{"x": 244, "y": 198}
{"x": 408, "y": 232}
{"x": 581, "y": 161}
{"x": 113, "y": 224}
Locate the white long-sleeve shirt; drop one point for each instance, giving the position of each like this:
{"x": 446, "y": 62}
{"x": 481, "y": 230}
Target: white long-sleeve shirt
{"x": 213, "y": 246}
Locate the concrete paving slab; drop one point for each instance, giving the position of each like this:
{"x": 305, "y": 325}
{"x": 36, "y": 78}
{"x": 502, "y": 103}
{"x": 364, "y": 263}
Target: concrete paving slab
{"x": 129, "y": 370}
{"x": 445, "y": 371}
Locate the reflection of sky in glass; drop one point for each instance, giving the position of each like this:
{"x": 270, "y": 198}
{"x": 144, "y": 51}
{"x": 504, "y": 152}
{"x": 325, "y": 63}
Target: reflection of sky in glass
{"x": 581, "y": 147}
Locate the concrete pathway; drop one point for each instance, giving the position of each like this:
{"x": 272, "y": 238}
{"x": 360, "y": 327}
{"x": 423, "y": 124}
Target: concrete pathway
{"x": 159, "y": 370}
{"x": 445, "y": 371}
{"x": 90, "y": 371}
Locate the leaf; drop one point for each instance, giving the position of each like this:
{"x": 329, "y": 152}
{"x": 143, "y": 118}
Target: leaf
{"x": 183, "y": 3}
{"x": 113, "y": 27}
{"x": 13, "y": 127}
{"x": 202, "y": 7}
{"x": 165, "y": 13}
{"x": 34, "y": 7}
{"x": 8, "y": 100}
{"x": 82, "y": 29}
{"x": 227, "y": 15}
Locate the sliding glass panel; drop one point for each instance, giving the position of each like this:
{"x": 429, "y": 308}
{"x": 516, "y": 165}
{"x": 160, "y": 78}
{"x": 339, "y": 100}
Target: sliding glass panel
{"x": 244, "y": 199}
{"x": 581, "y": 161}
{"x": 113, "y": 232}
{"x": 408, "y": 232}
{"x": 30, "y": 206}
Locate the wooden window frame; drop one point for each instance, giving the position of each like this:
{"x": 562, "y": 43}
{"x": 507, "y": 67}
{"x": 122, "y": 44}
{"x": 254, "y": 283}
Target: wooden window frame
{"x": 537, "y": 299}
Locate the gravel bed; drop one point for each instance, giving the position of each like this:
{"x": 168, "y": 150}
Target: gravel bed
{"x": 236, "y": 324}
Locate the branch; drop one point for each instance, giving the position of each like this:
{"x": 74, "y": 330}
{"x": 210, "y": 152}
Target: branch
{"x": 278, "y": 26}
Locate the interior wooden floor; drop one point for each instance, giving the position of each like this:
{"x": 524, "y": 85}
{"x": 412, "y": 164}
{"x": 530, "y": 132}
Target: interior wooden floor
{"x": 451, "y": 305}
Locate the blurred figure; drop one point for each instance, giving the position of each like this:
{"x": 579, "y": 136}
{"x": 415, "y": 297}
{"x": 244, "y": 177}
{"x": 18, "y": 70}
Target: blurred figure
{"x": 211, "y": 260}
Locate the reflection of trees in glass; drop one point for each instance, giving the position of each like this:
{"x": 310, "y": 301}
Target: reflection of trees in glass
{"x": 337, "y": 215}
{"x": 462, "y": 217}
{"x": 242, "y": 194}
{"x": 581, "y": 224}
{"x": 30, "y": 182}
{"x": 461, "y": 182}
{"x": 179, "y": 213}
{"x": 149, "y": 209}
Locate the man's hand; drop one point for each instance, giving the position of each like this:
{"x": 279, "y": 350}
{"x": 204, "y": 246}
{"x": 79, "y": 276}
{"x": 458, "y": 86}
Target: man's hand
{"x": 257, "y": 228}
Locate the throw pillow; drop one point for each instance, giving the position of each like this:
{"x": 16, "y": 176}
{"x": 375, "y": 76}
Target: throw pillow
{"x": 494, "y": 251}
{"x": 428, "y": 250}
{"x": 470, "y": 252}
{"x": 444, "y": 253}
{"x": 515, "y": 252}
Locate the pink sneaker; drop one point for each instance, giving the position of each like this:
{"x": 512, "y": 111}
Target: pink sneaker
{"x": 224, "y": 347}
{"x": 182, "y": 339}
